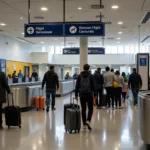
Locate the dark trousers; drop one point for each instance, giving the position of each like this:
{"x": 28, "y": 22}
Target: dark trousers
{"x": 118, "y": 92}
{"x": 135, "y": 93}
{"x": 0, "y": 114}
{"x": 124, "y": 95}
{"x": 99, "y": 97}
{"x": 52, "y": 93}
{"x": 84, "y": 102}
{"x": 110, "y": 95}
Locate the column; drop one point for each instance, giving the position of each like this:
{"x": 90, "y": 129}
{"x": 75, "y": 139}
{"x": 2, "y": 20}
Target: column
{"x": 83, "y": 52}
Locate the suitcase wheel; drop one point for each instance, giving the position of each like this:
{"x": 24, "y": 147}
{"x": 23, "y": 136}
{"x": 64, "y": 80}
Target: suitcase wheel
{"x": 20, "y": 126}
{"x": 70, "y": 131}
{"x": 66, "y": 130}
{"x": 8, "y": 127}
{"x": 37, "y": 109}
{"x": 79, "y": 131}
{"x": 43, "y": 108}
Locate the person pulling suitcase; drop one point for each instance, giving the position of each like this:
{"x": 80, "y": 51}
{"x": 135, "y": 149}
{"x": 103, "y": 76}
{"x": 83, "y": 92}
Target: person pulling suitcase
{"x": 85, "y": 87}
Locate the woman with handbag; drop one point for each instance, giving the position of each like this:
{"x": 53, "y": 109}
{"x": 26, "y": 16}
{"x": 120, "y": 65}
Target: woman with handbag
{"x": 118, "y": 89}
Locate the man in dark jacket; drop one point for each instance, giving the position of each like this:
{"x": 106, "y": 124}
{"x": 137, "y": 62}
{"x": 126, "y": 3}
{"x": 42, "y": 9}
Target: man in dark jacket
{"x": 52, "y": 83}
{"x": 3, "y": 88}
{"x": 135, "y": 83}
{"x": 99, "y": 82}
{"x": 85, "y": 87}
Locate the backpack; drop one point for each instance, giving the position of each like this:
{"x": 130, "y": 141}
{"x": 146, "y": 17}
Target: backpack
{"x": 85, "y": 85}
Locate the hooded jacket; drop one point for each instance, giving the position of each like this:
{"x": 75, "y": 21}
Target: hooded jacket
{"x": 51, "y": 80}
{"x": 85, "y": 74}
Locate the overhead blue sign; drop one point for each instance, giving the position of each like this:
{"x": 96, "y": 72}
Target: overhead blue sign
{"x": 143, "y": 62}
{"x": 85, "y": 29}
{"x": 72, "y": 51}
{"x": 43, "y": 30}
{"x": 93, "y": 50}
{"x": 96, "y": 50}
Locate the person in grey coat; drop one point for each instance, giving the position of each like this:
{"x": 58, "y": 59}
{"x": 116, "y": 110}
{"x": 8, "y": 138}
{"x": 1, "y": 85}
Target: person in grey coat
{"x": 4, "y": 87}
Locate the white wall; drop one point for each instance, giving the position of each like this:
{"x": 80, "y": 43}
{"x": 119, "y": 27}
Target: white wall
{"x": 11, "y": 49}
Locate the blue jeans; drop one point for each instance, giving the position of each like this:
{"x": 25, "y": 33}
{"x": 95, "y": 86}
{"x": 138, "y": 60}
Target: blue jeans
{"x": 52, "y": 93}
{"x": 135, "y": 95}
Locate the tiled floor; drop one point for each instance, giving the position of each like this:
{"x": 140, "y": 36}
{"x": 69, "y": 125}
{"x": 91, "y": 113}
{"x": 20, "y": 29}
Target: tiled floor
{"x": 112, "y": 130}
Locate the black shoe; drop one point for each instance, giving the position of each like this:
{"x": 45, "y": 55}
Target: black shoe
{"x": 53, "y": 108}
{"x": 47, "y": 109}
{"x": 1, "y": 127}
{"x": 88, "y": 125}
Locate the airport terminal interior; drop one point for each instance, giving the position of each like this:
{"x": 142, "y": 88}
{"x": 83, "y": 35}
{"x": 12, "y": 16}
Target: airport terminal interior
{"x": 67, "y": 34}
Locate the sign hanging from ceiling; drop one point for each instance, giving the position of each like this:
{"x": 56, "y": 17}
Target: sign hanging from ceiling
{"x": 73, "y": 29}
{"x": 93, "y": 50}
{"x": 85, "y": 29}
{"x": 43, "y": 30}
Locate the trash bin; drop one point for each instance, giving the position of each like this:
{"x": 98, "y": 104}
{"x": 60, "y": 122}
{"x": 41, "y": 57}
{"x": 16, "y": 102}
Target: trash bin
{"x": 144, "y": 116}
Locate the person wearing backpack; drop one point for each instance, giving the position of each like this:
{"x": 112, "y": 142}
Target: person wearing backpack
{"x": 99, "y": 81}
{"x": 118, "y": 90}
{"x": 85, "y": 87}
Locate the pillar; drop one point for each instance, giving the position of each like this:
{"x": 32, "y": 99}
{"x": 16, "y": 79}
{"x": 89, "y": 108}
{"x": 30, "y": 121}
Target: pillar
{"x": 83, "y": 52}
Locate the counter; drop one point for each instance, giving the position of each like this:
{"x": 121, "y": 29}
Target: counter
{"x": 23, "y": 93}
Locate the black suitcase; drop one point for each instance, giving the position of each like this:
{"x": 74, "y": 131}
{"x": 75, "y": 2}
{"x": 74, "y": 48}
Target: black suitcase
{"x": 12, "y": 114}
{"x": 73, "y": 119}
{"x": 70, "y": 105}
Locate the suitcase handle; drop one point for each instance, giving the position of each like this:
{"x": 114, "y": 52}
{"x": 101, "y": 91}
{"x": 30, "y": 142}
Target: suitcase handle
{"x": 77, "y": 103}
{"x": 12, "y": 98}
{"x": 42, "y": 91}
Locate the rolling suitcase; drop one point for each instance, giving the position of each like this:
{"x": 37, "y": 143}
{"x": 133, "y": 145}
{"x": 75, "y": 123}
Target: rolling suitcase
{"x": 40, "y": 102}
{"x": 73, "y": 119}
{"x": 12, "y": 114}
{"x": 70, "y": 105}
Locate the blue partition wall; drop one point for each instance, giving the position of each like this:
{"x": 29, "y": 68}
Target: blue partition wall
{"x": 3, "y": 65}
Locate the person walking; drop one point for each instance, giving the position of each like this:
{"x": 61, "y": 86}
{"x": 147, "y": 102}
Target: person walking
{"x": 135, "y": 84}
{"x": 118, "y": 91}
{"x": 108, "y": 84}
{"x": 85, "y": 87}
{"x": 99, "y": 82}
{"x": 4, "y": 87}
{"x": 52, "y": 83}
{"x": 125, "y": 87}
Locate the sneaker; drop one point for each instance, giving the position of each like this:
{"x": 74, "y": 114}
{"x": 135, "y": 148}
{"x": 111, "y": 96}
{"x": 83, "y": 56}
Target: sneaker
{"x": 88, "y": 125}
{"x": 136, "y": 106}
{"x": 47, "y": 109}
{"x": 1, "y": 127}
{"x": 84, "y": 126}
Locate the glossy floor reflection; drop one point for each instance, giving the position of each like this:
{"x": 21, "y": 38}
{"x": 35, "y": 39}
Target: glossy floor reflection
{"x": 112, "y": 130}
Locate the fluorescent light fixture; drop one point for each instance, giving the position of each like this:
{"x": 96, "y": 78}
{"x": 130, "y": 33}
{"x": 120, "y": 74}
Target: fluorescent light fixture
{"x": 55, "y": 39}
{"x": 80, "y": 8}
{"x": 21, "y": 18}
{"x": 120, "y": 32}
{"x": 42, "y": 42}
{"x": 2, "y": 24}
{"x": 22, "y": 33}
{"x": 114, "y": 7}
{"x": 120, "y": 22}
{"x": 44, "y": 9}
{"x": 118, "y": 38}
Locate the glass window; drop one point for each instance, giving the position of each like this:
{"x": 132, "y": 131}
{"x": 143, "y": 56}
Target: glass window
{"x": 114, "y": 50}
{"x": 51, "y": 49}
{"x": 132, "y": 51}
{"x": 108, "y": 50}
{"x": 44, "y": 49}
{"x": 136, "y": 49}
{"x": 120, "y": 49}
{"x": 142, "y": 50}
{"x": 58, "y": 50}
{"x": 127, "y": 50}
{"x": 146, "y": 49}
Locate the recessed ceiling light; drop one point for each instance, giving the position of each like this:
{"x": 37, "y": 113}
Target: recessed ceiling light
{"x": 118, "y": 38}
{"x": 21, "y": 18}
{"x": 79, "y": 8}
{"x": 22, "y": 33}
{"x": 114, "y": 7}
{"x": 42, "y": 42}
{"x": 2, "y": 24}
{"x": 55, "y": 39}
{"x": 120, "y": 32}
{"x": 120, "y": 22}
{"x": 44, "y": 9}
